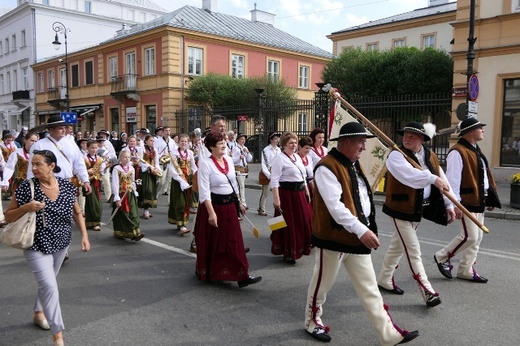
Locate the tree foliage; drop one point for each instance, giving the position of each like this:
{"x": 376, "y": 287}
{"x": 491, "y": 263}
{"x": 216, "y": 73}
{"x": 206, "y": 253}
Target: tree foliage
{"x": 399, "y": 71}
{"x": 215, "y": 91}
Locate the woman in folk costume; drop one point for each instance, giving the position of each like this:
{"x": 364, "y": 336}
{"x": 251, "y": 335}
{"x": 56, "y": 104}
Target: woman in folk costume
{"x": 126, "y": 220}
{"x": 291, "y": 194}
{"x": 149, "y": 171}
{"x": 221, "y": 255}
{"x": 95, "y": 168}
{"x": 182, "y": 167}
{"x": 135, "y": 154}
{"x": 317, "y": 150}
{"x": 17, "y": 163}
{"x": 304, "y": 148}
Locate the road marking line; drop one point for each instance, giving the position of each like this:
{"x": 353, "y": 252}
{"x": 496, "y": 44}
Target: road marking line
{"x": 168, "y": 247}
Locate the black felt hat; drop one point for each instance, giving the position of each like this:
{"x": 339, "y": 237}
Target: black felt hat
{"x": 352, "y": 129}
{"x": 469, "y": 124}
{"x": 415, "y": 127}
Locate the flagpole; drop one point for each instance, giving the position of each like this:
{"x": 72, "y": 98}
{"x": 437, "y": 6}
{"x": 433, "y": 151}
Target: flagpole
{"x": 394, "y": 146}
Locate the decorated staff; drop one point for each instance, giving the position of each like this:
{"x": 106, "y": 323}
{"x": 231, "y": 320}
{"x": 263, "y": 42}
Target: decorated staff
{"x": 335, "y": 94}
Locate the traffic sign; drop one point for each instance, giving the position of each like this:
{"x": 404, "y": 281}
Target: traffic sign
{"x": 472, "y": 107}
{"x": 70, "y": 117}
{"x": 473, "y": 87}
{"x": 242, "y": 117}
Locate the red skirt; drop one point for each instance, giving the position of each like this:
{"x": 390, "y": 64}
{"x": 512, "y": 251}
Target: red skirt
{"x": 220, "y": 251}
{"x": 294, "y": 240}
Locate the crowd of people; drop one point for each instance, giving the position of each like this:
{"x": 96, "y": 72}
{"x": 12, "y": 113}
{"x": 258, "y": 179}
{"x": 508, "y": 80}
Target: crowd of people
{"x": 323, "y": 196}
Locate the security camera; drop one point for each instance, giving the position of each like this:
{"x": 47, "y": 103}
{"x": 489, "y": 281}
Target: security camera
{"x": 60, "y": 60}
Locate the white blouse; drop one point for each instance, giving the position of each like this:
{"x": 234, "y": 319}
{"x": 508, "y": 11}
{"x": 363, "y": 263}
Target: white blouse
{"x": 211, "y": 180}
{"x": 285, "y": 170}
{"x": 173, "y": 171}
{"x": 315, "y": 157}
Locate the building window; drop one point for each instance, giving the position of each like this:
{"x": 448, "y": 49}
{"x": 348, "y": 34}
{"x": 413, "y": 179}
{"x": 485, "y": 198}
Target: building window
{"x": 149, "y": 61}
{"x": 151, "y": 117}
{"x": 428, "y": 41}
{"x": 510, "y": 150}
{"x": 304, "y": 77}
{"x": 195, "y": 61}
{"x": 1, "y": 49}
{"x": 13, "y": 43}
{"x": 88, "y": 7}
{"x": 75, "y": 75}
{"x": 1, "y": 84}
{"x": 114, "y": 113}
{"x": 45, "y": 2}
{"x": 8, "y": 82}
{"x": 273, "y": 70}
{"x": 51, "y": 79}
{"x": 112, "y": 67}
{"x": 7, "y": 50}
{"x": 372, "y": 46}
{"x": 23, "y": 39}
{"x": 237, "y": 66}
{"x": 25, "y": 78}
{"x": 89, "y": 73}
{"x": 15, "y": 80}
{"x": 398, "y": 42}
{"x": 40, "y": 82}
{"x": 131, "y": 80}
{"x": 516, "y": 6}
{"x": 302, "y": 123}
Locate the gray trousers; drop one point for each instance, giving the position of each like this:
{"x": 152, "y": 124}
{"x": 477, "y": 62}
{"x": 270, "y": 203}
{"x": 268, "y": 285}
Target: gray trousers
{"x": 45, "y": 269}
{"x": 263, "y": 197}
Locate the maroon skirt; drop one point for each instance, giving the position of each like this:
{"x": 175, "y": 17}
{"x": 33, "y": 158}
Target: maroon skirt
{"x": 220, "y": 251}
{"x": 294, "y": 240}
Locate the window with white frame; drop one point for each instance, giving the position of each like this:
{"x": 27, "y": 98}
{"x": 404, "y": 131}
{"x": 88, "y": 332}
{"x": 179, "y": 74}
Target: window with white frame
{"x": 8, "y": 82}
{"x": 131, "y": 76}
{"x": 88, "y": 7}
{"x": 25, "y": 78}
{"x": 51, "y": 79}
{"x": 1, "y": 84}
{"x": 428, "y": 41}
{"x": 112, "y": 67}
{"x": 195, "y": 61}
{"x": 40, "y": 82}
{"x": 372, "y": 47}
{"x": 149, "y": 61}
{"x": 302, "y": 122}
{"x": 23, "y": 39}
{"x": 516, "y": 6}
{"x": 273, "y": 70}
{"x": 7, "y": 50}
{"x": 15, "y": 80}
{"x": 303, "y": 80}
{"x": 398, "y": 42}
{"x": 237, "y": 66}
{"x": 13, "y": 43}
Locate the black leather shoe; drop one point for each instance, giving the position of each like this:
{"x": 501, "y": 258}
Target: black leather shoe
{"x": 250, "y": 281}
{"x": 319, "y": 333}
{"x": 409, "y": 337}
{"x": 432, "y": 299}
{"x": 289, "y": 260}
{"x": 444, "y": 268}
{"x": 396, "y": 290}
{"x": 247, "y": 249}
{"x": 477, "y": 278}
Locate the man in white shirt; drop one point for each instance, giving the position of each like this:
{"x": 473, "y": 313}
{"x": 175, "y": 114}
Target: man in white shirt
{"x": 268, "y": 154}
{"x": 164, "y": 147}
{"x": 241, "y": 157}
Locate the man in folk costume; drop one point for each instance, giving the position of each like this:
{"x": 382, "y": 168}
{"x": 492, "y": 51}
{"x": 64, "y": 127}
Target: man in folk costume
{"x": 110, "y": 155}
{"x": 268, "y": 154}
{"x": 164, "y": 146}
{"x": 95, "y": 168}
{"x": 69, "y": 157}
{"x": 344, "y": 233}
{"x": 413, "y": 193}
{"x": 241, "y": 157}
{"x": 474, "y": 186}
{"x": 182, "y": 167}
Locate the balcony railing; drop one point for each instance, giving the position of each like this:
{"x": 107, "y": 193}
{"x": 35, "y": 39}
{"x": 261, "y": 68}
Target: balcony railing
{"x": 126, "y": 83}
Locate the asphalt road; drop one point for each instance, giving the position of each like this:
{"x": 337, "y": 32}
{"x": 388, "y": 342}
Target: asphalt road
{"x": 146, "y": 293}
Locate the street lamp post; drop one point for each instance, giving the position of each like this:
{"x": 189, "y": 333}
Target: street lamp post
{"x": 59, "y": 27}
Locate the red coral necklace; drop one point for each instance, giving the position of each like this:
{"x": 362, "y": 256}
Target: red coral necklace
{"x": 224, "y": 170}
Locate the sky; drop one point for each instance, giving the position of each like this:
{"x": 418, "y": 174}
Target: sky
{"x": 309, "y": 20}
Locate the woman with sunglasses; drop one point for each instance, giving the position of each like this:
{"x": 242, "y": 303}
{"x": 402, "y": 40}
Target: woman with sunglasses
{"x": 55, "y": 206}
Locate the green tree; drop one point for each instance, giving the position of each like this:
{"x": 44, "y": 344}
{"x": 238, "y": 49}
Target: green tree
{"x": 399, "y": 71}
{"x": 216, "y": 91}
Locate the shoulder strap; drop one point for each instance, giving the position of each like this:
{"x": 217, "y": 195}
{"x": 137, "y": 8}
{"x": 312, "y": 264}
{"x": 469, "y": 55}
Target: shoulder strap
{"x": 31, "y": 183}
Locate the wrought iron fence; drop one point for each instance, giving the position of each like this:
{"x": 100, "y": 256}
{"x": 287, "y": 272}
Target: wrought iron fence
{"x": 302, "y": 116}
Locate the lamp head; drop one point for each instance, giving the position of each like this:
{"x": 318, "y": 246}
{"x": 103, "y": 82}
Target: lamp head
{"x": 56, "y": 42}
